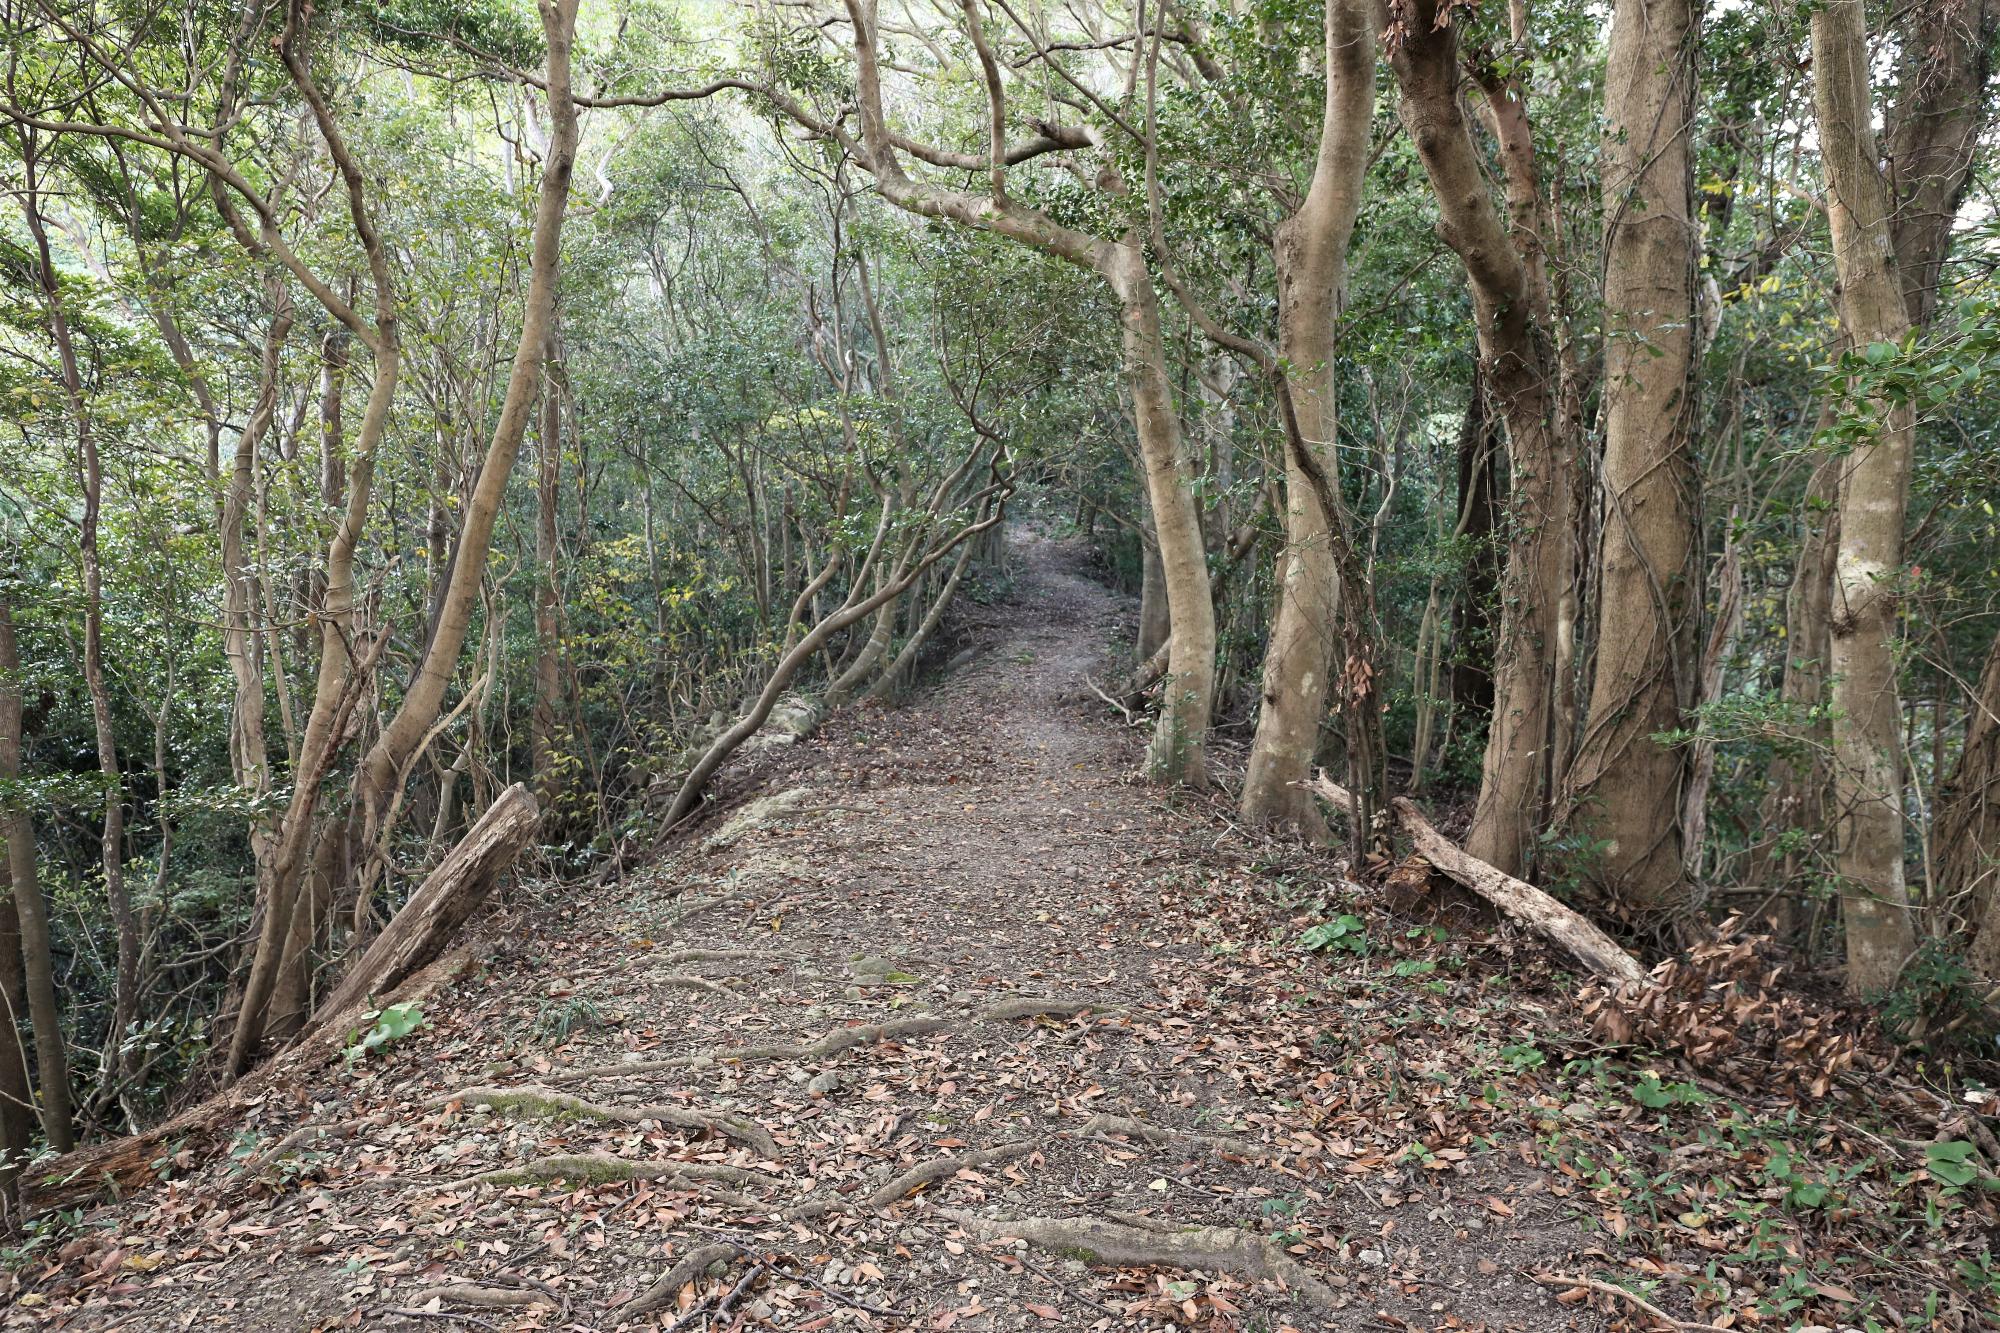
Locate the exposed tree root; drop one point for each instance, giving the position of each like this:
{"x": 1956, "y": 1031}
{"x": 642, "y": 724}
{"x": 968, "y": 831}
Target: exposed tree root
{"x": 1214, "y": 1249}
{"x": 691, "y": 1266}
{"x": 685, "y": 956}
{"x": 846, "y": 1039}
{"x": 313, "y": 1135}
{"x": 687, "y": 982}
{"x": 926, "y": 1173}
{"x": 1139, "y": 1130}
{"x": 481, "y": 1297}
{"x": 533, "y": 1099}
{"x": 597, "y": 1168}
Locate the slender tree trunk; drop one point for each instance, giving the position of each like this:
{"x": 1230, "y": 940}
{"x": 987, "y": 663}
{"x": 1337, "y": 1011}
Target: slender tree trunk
{"x": 1796, "y": 801}
{"x": 1312, "y": 268}
{"x": 31, "y": 910}
{"x": 1519, "y": 363}
{"x": 1154, "y": 624}
{"x": 873, "y": 653}
{"x": 1178, "y": 750}
{"x": 1874, "y": 491}
{"x": 1625, "y": 787}
{"x": 543, "y": 720}
{"x": 90, "y": 473}
{"x": 17, "y": 1105}
{"x": 1481, "y": 498}
{"x": 381, "y": 771}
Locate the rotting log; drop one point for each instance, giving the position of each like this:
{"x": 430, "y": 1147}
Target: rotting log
{"x": 1515, "y": 898}
{"x": 426, "y": 925}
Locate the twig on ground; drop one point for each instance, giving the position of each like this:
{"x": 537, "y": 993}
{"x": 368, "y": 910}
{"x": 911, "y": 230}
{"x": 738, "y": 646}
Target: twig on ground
{"x": 1639, "y": 1303}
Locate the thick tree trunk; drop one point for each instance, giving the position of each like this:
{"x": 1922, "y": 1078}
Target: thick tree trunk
{"x": 1511, "y": 312}
{"x": 1874, "y": 490}
{"x": 1625, "y": 787}
{"x": 17, "y": 829}
{"x": 1312, "y": 268}
{"x": 1933, "y": 133}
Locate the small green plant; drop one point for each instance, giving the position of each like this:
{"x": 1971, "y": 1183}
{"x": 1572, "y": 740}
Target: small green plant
{"x": 1950, "y": 1163}
{"x": 1346, "y": 933}
{"x": 556, "y": 1022}
{"x": 1523, "y": 1056}
{"x": 387, "y": 1027}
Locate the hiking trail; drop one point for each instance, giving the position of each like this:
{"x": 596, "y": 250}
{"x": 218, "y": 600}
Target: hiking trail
{"x": 951, "y": 1026}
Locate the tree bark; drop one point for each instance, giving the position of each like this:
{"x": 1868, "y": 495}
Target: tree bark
{"x": 31, "y": 909}
{"x": 1625, "y": 787}
{"x": 1312, "y": 267}
{"x": 1518, "y": 360}
{"x": 381, "y": 771}
{"x": 1178, "y": 751}
{"x": 1968, "y": 824}
{"x": 90, "y": 472}
{"x": 1874, "y": 490}
{"x": 543, "y": 720}
{"x": 426, "y": 925}
{"x": 1481, "y": 497}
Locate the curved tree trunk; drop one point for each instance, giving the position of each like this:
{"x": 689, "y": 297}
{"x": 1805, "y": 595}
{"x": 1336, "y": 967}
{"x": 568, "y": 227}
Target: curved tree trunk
{"x": 379, "y": 777}
{"x": 1312, "y": 268}
{"x": 1178, "y": 752}
{"x": 1518, "y": 360}
{"x": 1625, "y": 787}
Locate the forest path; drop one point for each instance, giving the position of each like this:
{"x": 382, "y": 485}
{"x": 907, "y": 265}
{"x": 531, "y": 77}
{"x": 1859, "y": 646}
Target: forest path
{"x": 954, "y": 1028}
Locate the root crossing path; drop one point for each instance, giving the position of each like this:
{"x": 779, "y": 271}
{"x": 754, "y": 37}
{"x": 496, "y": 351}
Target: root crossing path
{"x": 946, "y": 1025}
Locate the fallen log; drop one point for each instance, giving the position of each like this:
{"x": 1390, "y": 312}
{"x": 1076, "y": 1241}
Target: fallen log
{"x": 426, "y": 925}
{"x": 1515, "y": 898}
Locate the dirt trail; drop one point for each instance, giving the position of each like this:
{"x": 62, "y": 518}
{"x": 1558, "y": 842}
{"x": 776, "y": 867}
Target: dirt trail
{"x": 955, "y": 1028}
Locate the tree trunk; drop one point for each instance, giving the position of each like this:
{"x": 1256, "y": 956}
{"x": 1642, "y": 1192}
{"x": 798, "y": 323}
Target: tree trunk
{"x": 906, "y": 660}
{"x": 17, "y": 829}
{"x": 543, "y": 720}
{"x": 1968, "y": 824}
{"x": 850, "y": 682}
{"x": 1178, "y": 752}
{"x": 17, "y": 1104}
{"x": 1312, "y": 267}
{"x": 90, "y": 471}
{"x": 1874, "y": 490}
{"x": 426, "y": 925}
{"x": 1481, "y": 496}
{"x": 1796, "y": 801}
{"x": 381, "y": 771}
{"x": 1511, "y": 313}
{"x": 1154, "y": 624}
{"x": 1625, "y": 787}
